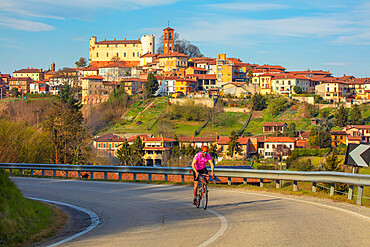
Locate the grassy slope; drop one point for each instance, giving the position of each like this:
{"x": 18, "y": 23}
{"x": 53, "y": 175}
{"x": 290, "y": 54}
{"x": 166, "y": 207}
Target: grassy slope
{"x": 23, "y": 221}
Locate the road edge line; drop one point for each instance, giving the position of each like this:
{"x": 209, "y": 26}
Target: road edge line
{"x": 95, "y": 220}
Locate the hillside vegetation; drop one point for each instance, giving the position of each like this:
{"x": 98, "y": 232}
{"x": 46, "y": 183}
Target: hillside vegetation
{"x": 23, "y": 221}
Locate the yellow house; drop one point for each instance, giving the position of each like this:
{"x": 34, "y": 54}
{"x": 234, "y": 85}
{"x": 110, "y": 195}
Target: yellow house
{"x": 173, "y": 61}
{"x": 34, "y": 74}
{"x": 185, "y": 86}
{"x": 157, "y": 150}
{"x": 265, "y": 81}
{"x": 338, "y": 137}
{"x": 332, "y": 90}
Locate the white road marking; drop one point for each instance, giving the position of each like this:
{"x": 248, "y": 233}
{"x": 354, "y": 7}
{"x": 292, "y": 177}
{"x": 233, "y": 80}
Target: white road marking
{"x": 303, "y": 201}
{"x": 223, "y": 220}
{"x": 94, "y": 219}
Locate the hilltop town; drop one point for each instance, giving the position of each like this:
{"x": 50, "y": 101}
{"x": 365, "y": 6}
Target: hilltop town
{"x": 127, "y": 64}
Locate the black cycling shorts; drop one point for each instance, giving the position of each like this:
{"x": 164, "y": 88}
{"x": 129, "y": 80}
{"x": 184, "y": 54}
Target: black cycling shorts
{"x": 201, "y": 171}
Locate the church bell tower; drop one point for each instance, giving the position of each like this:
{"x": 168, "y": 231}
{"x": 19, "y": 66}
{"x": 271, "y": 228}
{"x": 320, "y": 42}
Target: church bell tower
{"x": 168, "y": 41}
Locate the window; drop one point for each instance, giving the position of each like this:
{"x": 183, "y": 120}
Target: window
{"x": 116, "y": 45}
{"x": 107, "y": 54}
{"x": 267, "y": 146}
{"x": 124, "y": 54}
{"x": 290, "y": 146}
{"x": 133, "y": 54}
{"x": 103, "y": 145}
{"x": 99, "y": 145}
{"x": 255, "y": 80}
{"x": 97, "y": 54}
{"x": 110, "y": 145}
{"x": 107, "y": 45}
{"x": 138, "y": 54}
{"x": 273, "y": 145}
{"x": 117, "y": 54}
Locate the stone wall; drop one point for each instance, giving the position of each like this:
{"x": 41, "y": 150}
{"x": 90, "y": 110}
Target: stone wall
{"x": 197, "y": 101}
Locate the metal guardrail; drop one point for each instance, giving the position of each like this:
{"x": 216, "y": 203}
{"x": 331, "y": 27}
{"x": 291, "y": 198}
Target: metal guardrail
{"x": 359, "y": 180}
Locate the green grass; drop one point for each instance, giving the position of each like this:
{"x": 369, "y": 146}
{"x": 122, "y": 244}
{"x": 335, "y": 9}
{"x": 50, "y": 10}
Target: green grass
{"x": 23, "y": 221}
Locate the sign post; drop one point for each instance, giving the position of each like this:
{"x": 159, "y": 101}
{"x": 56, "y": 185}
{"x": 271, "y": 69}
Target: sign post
{"x": 358, "y": 155}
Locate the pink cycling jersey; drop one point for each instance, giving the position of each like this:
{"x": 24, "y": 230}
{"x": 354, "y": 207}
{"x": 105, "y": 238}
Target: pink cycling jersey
{"x": 201, "y": 161}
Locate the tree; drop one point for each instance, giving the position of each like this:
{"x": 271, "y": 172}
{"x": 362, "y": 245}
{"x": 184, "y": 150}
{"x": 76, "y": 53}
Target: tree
{"x": 332, "y": 163}
{"x": 356, "y": 115}
{"x": 181, "y": 45}
{"x": 14, "y": 92}
{"x": 259, "y": 102}
{"x": 297, "y": 89}
{"x": 341, "y": 116}
{"x": 64, "y": 124}
{"x": 233, "y": 145}
{"x": 213, "y": 152}
{"x": 319, "y": 138}
{"x": 123, "y": 154}
{"x": 214, "y": 111}
{"x": 151, "y": 85}
{"x": 131, "y": 155}
{"x": 81, "y": 62}
{"x": 250, "y": 74}
{"x": 291, "y": 129}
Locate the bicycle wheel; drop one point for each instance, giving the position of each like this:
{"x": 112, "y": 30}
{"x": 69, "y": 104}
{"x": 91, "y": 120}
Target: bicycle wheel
{"x": 205, "y": 196}
{"x": 199, "y": 196}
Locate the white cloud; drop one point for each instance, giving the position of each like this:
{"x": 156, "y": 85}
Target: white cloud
{"x": 240, "y": 6}
{"x": 25, "y": 25}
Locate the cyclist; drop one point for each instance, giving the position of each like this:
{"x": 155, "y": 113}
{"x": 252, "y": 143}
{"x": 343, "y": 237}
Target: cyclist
{"x": 199, "y": 167}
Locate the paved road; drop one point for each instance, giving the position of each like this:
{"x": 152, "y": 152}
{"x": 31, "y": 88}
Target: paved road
{"x": 161, "y": 215}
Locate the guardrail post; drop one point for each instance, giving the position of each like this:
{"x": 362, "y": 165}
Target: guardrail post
{"x": 120, "y": 176}
{"x": 31, "y": 172}
{"x": 134, "y": 176}
{"x": 332, "y": 186}
{"x": 359, "y": 195}
{"x": 261, "y": 183}
{"x": 350, "y": 192}
{"x": 278, "y": 185}
{"x": 105, "y": 175}
{"x": 166, "y": 177}
{"x": 150, "y": 177}
{"x": 79, "y": 174}
{"x": 43, "y": 172}
{"x": 228, "y": 180}
{"x": 314, "y": 187}
{"x": 295, "y": 185}
{"x": 245, "y": 181}
{"x": 91, "y": 175}
{"x": 21, "y": 171}
{"x": 54, "y": 173}
{"x": 66, "y": 174}
{"x": 182, "y": 178}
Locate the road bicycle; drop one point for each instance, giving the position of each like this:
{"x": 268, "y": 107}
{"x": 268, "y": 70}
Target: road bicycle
{"x": 202, "y": 192}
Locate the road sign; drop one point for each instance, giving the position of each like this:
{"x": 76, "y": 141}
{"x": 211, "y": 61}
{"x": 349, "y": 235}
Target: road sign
{"x": 358, "y": 155}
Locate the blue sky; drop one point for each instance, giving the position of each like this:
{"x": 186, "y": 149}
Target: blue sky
{"x": 299, "y": 35}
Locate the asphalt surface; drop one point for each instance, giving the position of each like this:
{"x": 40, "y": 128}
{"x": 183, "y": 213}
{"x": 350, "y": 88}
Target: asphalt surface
{"x": 162, "y": 215}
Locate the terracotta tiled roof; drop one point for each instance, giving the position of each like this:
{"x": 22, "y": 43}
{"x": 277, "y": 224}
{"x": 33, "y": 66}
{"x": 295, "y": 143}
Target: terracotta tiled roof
{"x": 290, "y": 76}
{"x": 113, "y": 42}
{"x": 357, "y": 127}
{"x": 150, "y": 55}
{"x": 333, "y": 132}
{"x": 266, "y": 124}
{"x": 223, "y": 140}
{"x": 302, "y": 143}
{"x": 90, "y": 68}
{"x": 133, "y": 138}
{"x": 32, "y": 70}
{"x": 197, "y": 68}
{"x": 166, "y": 77}
{"x": 159, "y": 139}
{"x": 354, "y": 138}
{"x": 197, "y": 139}
{"x": 203, "y": 76}
{"x": 96, "y": 77}
{"x": 109, "y": 138}
{"x": 19, "y": 79}
{"x": 243, "y": 140}
{"x": 279, "y": 139}
{"x": 305, "y": 134}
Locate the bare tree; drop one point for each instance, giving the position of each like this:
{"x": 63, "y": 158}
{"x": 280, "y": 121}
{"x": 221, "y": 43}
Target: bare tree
{"x": 181, "y": 45}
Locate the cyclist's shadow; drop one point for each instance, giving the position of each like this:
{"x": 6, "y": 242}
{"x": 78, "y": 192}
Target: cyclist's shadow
{"x": 242, "y": 203}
